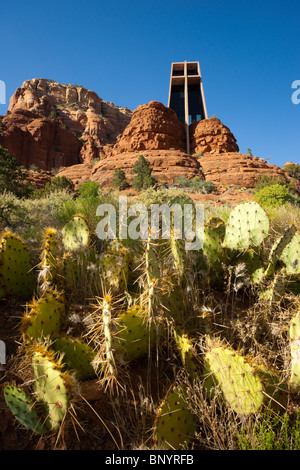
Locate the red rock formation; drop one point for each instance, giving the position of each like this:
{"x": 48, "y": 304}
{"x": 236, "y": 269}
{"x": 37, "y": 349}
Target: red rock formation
{"x": 39, "y": 179}
{"x": 152, "y": 127}
{"x": 232, "y": 168}
{"x": 166, "y": 165}
{"x": 77, "y": 173}
{"x": 155, "y": 132}
{"x": 210, "y": 135}
{"x": 47, "y": 124}
{"x": 39, "y": 141}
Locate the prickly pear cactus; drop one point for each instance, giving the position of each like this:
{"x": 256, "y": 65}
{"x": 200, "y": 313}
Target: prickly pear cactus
{"x": 247, "y": 226}
{"x": 49, "y": 266}
{"x": 275, "y": 290}
{"x": 175, "y": 425}
{"x": 22, "y": 407}
{"x": 254, "y": 266}
{"x": 213, "y": 251}
{"x": 76, "y": 233}
{"x": 185, "y": 348}
{"x": 179, "y": 256}
{"x": 16, "y": 272}
{"x": 136, "y": 335}
{"x": 295, "y": 353}
{"x": 44, "y": 316}
{"x": 218, "y": 225}
{"x": 52, "y": 387}
{"x": 291, "y": 255}
{"x": 278, "y": 247}
{"x": 76, "y": 355}
{"x": 242, "y": 384}
{"x": 115, "y": 264}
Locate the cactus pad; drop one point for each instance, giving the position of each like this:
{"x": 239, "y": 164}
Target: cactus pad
{"x": 291, "y": 255}
{"x": 44, "y": 317}
{"x": 295, "y": 353}
{"x": 247, "y": 226}
{"x": 175, "y": 425}
{"x": 243, "y": 385}
{"x": 16, "y": 274}
{"x": 135, "y": 337}
{"x": 51, "y": 387}
{"x": 115, "y": 265}
{"x": 49, "y": 265}
{"x": 76, "y": 233}
{"x": 278, "y": 248}
{"x": 23, "y": 409}
{"x": 77, "y": 356}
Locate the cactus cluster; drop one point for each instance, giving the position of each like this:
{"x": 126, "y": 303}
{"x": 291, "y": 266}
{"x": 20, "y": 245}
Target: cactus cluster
{"x": 149, "y": 305}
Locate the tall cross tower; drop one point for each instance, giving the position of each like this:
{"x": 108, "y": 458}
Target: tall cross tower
{"x": 186, "y": 95}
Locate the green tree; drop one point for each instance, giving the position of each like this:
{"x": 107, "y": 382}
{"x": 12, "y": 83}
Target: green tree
{"x": 13, "y": 176}
{"x": 143, "y": 178}
{"x": 119, "y": 179}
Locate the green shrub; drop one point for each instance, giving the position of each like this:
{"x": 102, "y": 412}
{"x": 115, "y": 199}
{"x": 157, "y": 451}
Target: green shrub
{"x": 272, "y": 432}
{"x": 143, "y": 178}
{"x": 12, "y": 176}
{"x": 58, "y": 183}
{"x": 275, "y": 195}
{"x": 196, "y": 184}
{"x": 119, "y": 180}
{"x": 89, "y": 190}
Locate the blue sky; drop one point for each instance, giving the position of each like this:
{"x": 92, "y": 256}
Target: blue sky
{"x": 249, "y": 54}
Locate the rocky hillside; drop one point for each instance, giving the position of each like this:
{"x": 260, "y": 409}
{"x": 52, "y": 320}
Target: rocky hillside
{"x": 50, "y": 125}
{"x": 153, "y": 131}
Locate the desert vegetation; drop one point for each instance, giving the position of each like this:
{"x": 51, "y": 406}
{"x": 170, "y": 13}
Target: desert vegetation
{"x": 143, "y": 344}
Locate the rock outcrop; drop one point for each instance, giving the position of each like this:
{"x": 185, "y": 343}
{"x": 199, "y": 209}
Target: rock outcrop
{"x": 37, "y": 141}
{"x": 154, "y": 132}
{"x": 210, "y": 135}
{"x": 152, "y": 127}
{"x": 50, "y": 125}
{"x": 166, "y": 165}
{"x": 238, "y": 169}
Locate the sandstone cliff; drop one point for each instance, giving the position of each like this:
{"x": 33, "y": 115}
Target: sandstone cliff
{"x": 155, "y": 132}
{"x": 51, "y": 125}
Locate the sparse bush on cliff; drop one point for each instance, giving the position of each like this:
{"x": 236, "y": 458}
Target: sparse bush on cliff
{"x": 143, "y": 178}
{"x": 293, "y": 169}
{"x": 119, "y": 180}
{"x": 267, "y": 180}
